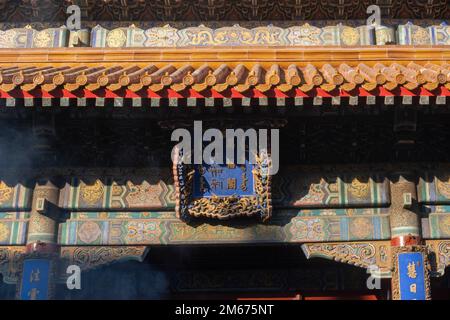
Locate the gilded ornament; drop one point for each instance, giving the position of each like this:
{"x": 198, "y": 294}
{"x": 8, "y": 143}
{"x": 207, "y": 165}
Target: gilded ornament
{"x": 92, "y": 193}
{"x": 421, "y": 36}
{"x": 138, "y": 232}
{"x": 305, "y": 35}
{"x": 103, "y": 215}
{"x": 444, "y": 188}
{"x": 5, "y": 192}
{"x": 316, "y": 193}
{"x": 116, "y": 38}
{"x": 143, "y": 194}
{"x": 117, "y": 190}
{"x": 383, "y": 36}
{"x": 350, "y": 36}
{"x": 89, "y": 232}
{"x": 7, "y": 39}
{"x": 359, "y": 189}
{"x": 4, "y": 232}
{"x": 444, "y": 225}
{"x": 361, "y": 227}
{"x": 205, "y": 232}
{"x": 42, "y": 39}
{"x": 307, "y": 229}
{"x": 40, "y": 224}
{"x": 234, "y": 35}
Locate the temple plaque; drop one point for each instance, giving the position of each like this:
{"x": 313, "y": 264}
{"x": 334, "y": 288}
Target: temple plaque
{"x": 223, "y": 191}
{"x": 411, "y": 266}
{"x": 35, "y": 279}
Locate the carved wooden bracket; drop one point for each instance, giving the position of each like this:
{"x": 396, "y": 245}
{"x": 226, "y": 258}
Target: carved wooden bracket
{"x": 374, "y": 256}
{"x": 10, "y": 259}
{"x": 439, "y": 256}
{"x": 93, "y": 257}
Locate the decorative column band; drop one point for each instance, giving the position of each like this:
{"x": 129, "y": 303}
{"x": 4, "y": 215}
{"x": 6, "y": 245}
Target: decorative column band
{"x": 404, "y": 218}
{"x": 42, "y": 232}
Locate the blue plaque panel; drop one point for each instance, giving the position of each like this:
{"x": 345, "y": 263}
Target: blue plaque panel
{"x": 223, "y": 180}
{"x": 223, "y": 191}
{"x": 35, "y": 279}
{"x": 411, "y": 276}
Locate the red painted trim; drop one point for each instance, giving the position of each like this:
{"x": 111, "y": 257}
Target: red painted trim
{"x": 300, "y": 93}
{"x": 229, "y": 93}
{"x": 383, "y": 92}
{"x": 88, "y": 94}
{"x": 42, "y": 247}
{"x": 402, "y": 241}
{"x": 215, "y": 94}
{"x": 443, "y": 91}
{"x": 322, "y": 93}
{"x": 152, "y": 94}
{"x": 67, "y": 94}
{"x": 343, "y": 93}
{"x": 4, "y": 94}
{"x": 405, "y": 92}
{"x": 425, "y": 92}
{"x": 194, "y": 94}
{"x": 279, "y": 94}
{"x": 173, "y": 94}
{"x": 364, "y": 93}
{"x": 236, "y": 94}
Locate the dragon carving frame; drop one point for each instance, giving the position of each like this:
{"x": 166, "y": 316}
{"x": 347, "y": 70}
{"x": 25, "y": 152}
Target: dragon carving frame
{"x": 225, "y": 207}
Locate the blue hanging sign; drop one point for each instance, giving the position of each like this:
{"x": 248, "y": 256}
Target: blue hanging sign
{"x": 223, "y": 180}
{"x": 35, "y": 279}
{"x": 411, "y": 271}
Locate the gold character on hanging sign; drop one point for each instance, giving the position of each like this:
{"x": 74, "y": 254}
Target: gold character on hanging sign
{"x": 35, "y": 276}
{"x": 244, "y": 182}
{"x": 202, "y": 184}
{"x": 33, "y": 293}
{"x": 216, "y": 184}
{"x": 215, "y": 172}
{"x": 231, "y": 183}
{"x": 412, "y": 273}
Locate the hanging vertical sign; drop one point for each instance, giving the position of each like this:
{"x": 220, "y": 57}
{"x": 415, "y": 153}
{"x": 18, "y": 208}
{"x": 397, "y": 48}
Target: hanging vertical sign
{"x": 412, "y": 277}
{"x": 35, "y": 279}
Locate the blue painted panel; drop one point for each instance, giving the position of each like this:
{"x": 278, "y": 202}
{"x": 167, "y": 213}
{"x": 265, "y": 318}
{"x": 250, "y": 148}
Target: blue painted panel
{"x": 411, "y": 276}
{"x": 35, "y": 279}
{"x": 223, "y": 180}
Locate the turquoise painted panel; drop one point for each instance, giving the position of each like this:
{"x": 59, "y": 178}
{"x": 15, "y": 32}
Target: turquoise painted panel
{"x": 439, "y": 226}
{"x": 154, "y": 190}
{"x": 13, "y": 232}
{"x": 14, "y": 197}
{"x": 165, "y": 229}
{"x": 433, "y": 189}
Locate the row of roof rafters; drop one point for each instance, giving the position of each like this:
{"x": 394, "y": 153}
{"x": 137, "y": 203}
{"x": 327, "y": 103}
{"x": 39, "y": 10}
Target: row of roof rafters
{"x": 240, "y": 77}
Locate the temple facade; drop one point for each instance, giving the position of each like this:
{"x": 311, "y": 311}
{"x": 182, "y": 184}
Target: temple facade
{"x": 93, "y": 206}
